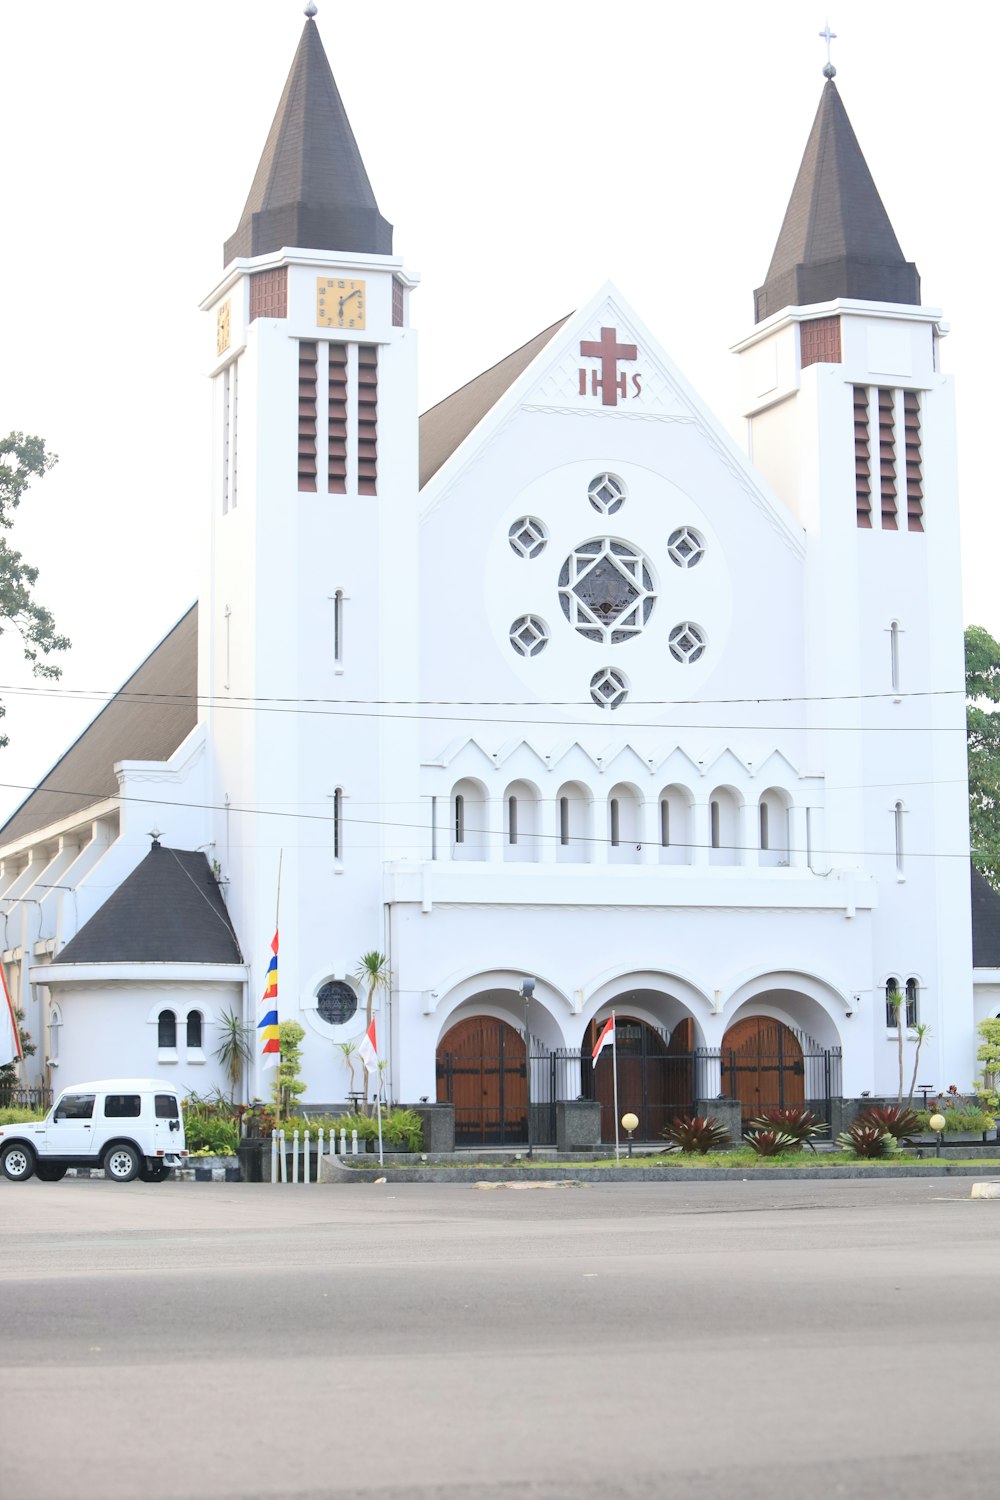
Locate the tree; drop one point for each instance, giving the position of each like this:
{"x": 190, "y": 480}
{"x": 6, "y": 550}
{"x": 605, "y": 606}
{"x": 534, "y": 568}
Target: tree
{"x": 896, "y": 1002}
{"x": 288, "y": 1084}
{"x": 234, "y": 1051}
{"x": 982, "y": 688}
{"x": 22, "y": 459}
{"x": 372, "y": 970}
{"x": 10, "y": 1077}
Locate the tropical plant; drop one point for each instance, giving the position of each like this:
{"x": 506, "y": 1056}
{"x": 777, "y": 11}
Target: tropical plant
{"x": 988, "y": 1052}
{"x": 792, "y": 1120}
{"x": 699, "y": 1133}
{"x": 982, "y": 691}
{"x": 896, "y": 1001}
{"x": 235, "y": 1049}
{"x": 965, "y": 1118}
{"x": 921, "y": 1031}
{"x": 402, "y": 1130}
{"x": 288, "y": 1084}
{"x": 372, "y": 971}
{"x": 350, "y": 1051}
{"x": 895, "y": 1119}
{"x": 769, "y": 1142}
{"x": 867, "y": 1140}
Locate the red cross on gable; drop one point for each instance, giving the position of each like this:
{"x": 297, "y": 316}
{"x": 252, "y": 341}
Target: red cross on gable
{"x": 608, "y": 350}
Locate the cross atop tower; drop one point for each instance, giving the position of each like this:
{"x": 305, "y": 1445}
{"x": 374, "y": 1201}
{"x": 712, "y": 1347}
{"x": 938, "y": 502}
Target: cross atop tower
{"x": 828, "y": 36}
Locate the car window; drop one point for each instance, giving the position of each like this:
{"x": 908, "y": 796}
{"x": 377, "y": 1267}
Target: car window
{"x": 122, "y": 1106}
{"x": 75, "y": 1107}
{"x": 166, "y": 1107}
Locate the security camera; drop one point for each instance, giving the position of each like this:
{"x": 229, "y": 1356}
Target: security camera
{"x": 527, "y": 988}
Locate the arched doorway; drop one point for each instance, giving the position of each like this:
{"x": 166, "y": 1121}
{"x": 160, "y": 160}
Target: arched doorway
{"x": 655, "y": 1074}
{"x": 481, "y": 1071}
{"x": 762, "y": 1065}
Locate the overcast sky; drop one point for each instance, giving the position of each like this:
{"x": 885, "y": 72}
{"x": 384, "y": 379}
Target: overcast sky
{"x": 525, "y": 153}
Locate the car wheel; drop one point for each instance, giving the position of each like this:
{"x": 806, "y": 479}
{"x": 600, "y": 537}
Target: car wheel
{"x": 122, "y": 1162}
{"x": 50, "y": 1171}
{"x": 17, "y": 1162}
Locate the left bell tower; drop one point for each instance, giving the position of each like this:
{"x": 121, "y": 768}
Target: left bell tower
{"x": 310, "y": 595}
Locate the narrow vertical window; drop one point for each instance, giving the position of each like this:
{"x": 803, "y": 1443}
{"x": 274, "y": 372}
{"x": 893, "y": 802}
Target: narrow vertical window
{"x": 194, "y": 1028}
{"x": 716, "y": 821}
{"x": 234, "y": 431}
{"x": 225, "y": 438}
{"x": 665, "y": 823}
{"x": 891, "y": 991}
{"x": 615, "y": 823}
{"x": 862, "y": 458}
{"x": 512, "y": 820}
{"x": 898, "y": 827}
{"x": 307, "y": 415}
{"x": 914, "y": 463}
{"x": 166, "y": 1029}
{"x": 338, "y": 822}
{"x": 809, "y": 837}
{"x": 763, "y": 826}
{"x": 459, "y": 819}
{"x": 887, "y": 458}
{"x": 912, "y": 1009}
{"x": 894, "y": 655}
{"x": 338, "y": 628}
{"x": 564, "y": 820}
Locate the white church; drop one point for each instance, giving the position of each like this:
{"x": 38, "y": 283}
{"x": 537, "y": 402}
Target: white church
{"x": 552, "y": 682}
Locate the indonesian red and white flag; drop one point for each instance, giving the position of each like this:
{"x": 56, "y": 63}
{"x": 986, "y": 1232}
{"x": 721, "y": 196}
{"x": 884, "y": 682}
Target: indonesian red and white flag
{"x": 606, "y": 1038}
{"x": 10, "y": 1037}
{"x": 368, "y": 1051}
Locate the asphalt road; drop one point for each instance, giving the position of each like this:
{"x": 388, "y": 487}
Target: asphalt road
{"x": 180, "y": 1341}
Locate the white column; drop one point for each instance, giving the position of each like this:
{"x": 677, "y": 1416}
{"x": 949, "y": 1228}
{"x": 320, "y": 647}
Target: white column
{"x": 797, "y": 854}
{"x": 701, "y": 833}
{"x": 650, "y": 831}
{"x": 749, "y": 835}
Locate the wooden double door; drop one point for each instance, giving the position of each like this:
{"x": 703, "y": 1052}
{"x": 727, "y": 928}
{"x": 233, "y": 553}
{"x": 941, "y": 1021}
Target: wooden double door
{"x": 762, "y": 1065}
{"x": 481, "y": 1070}
{"x": 655, "y": 1077}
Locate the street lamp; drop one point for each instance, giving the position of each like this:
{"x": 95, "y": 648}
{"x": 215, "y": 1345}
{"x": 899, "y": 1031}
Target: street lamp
{"x": 937, "y": 1124}
{"x": 527, "y": 989}
{"x": 630, "y": 1122}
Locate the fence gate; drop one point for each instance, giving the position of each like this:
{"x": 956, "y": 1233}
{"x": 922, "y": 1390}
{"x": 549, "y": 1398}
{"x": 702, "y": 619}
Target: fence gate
{"x": 481, "y": 1071}
{"x": 767, "y": 1065}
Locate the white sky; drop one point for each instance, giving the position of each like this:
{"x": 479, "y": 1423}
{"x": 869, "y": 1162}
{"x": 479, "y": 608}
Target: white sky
{"x": 525, "y": 153}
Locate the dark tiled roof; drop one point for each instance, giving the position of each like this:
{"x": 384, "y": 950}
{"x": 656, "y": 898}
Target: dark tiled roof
{"x": 311, "y": 190}
{"x": 836, "y": 239}
{"x": 448, "y": 424}
{"x": 169, "y": 910}
{"x": 146, "y": 720}
{"x": 985, "y": 923}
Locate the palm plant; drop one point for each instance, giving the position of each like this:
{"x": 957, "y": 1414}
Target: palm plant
{"x": 921, "y": 1031}
{"x": 350, "y": 1051}
{"x": 235, "y": 1049}
{"x": 372, "y": 971}
{"x": 896, "y": 1002}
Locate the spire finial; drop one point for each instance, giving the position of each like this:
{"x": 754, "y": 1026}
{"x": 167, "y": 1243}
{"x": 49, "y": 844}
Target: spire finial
{"x": 828, "y": 36}
{"x": 310, "y": 10}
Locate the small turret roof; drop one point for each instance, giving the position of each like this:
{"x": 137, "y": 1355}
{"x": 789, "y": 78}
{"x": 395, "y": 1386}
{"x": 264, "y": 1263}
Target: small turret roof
{"x": 836, "y": 239}
{"x": 311, "y": 190}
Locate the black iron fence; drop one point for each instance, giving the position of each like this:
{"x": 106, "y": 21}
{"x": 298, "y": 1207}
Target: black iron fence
{"x": 22, "y": 1098}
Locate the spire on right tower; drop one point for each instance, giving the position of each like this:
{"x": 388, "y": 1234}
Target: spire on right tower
{"x": 836, "y": 239}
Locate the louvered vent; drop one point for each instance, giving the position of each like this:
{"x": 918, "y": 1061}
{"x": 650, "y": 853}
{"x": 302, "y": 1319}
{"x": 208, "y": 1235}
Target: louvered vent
{"x": 914, "y": 467}
{"x": 337, "y": 450}
{"x": 887, "y": 459}
{"x": 862, "y": 457}
{"x": 269, "y": 294}
{"x": 819, "y": 342}
{"x": 397, "y": 302}
{"x": 367, "y": 419}
{"x": 307, "y": 416}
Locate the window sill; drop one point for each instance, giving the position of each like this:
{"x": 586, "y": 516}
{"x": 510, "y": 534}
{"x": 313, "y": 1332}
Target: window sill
{"x": 338, "y": 869}
{"x": 167, "y": 1055}
{"x": 196, "y": 1056}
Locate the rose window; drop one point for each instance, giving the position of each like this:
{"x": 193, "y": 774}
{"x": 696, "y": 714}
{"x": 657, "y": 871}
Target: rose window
{"x": 609, "y": 688}
{"x": 529, "y": 635}
{"x": 606, "y": 493}
{"x": 687, "y": 642}
{"x": 686, "y": 547}
{"x": 606, "y": 591}
{"x": 527, "y": 537}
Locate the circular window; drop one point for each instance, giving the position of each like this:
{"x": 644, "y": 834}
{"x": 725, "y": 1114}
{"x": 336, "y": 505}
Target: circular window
{"x": 609, "y": 688}
{"x": 687, "y": 642}
{"x": 686, "y": 547}
{"x": 527, "y": 537}
{"x": 336, "y": 1002}
{"x": 529, "y": 635}
{"x": 606, "y": 591}
{"x": 606, "y": 493}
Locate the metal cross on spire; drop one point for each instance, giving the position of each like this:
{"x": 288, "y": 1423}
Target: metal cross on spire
{"x": 828, "y": 36}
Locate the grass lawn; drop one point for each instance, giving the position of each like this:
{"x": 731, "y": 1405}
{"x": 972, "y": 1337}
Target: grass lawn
{"x": 743, "y": 1158}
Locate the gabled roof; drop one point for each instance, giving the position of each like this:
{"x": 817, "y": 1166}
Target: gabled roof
{"x": 149, "y": 716}
{"x": 448, "y": 424}
{"x": 985, "y": 923}
{"x": 836, "y": 239}
{"x": 311, "y": 190}
{"x": 169, "y": 910}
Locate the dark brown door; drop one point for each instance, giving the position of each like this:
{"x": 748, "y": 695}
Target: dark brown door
{"x": 762, "y": 1066}
{"x": 654, "y": 1079}
{"x": 480, "y": 1070}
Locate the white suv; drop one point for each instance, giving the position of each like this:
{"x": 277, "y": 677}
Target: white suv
{"x": 132, "y": 1127}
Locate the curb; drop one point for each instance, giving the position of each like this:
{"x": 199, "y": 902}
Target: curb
{"x": 655, "y": 1174}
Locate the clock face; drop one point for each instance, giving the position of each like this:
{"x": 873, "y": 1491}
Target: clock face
{"x": 340, "y": 302}
{"x": 222, "y": 327}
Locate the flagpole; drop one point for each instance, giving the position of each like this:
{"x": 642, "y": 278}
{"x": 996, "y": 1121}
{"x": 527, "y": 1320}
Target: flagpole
{"x": 378, "y": 1111}
{"x": 277, "y": 928}
{"x": 614, "y": 1061}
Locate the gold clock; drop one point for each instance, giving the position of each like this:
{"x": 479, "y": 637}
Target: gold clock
{"x": 340, "y": 302}
{"x": 222, "y": 327}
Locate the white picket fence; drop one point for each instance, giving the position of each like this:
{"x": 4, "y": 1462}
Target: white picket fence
{"x": 311, "y": 1153}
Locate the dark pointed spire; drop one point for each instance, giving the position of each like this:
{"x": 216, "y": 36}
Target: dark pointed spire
{"x": 311, "y": 190}
{"x": 836, "y": 239}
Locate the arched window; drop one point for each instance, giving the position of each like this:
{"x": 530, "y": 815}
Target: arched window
{"x": 894, "y": 655}
{"x": 194, "y": 1028}
{"x": 763, "y": 826}
{"x": 898, "y": 826}
{"x": 891, "y": 990}
{"x": 512, "y": 820}
{"x": 912, "y": 1005}
{"x": 55, "y": 1024}
{"x": 664, "y": 823}
{"x": 616, "y": 834}
{"x": 716, "y": 825}
{"x": 338, "y": 628}
{"x": 459, "y": 818}
{"x": 166, "y": 1029}
{"x": 338, "y": 823}
{"x": 564, "y": 821}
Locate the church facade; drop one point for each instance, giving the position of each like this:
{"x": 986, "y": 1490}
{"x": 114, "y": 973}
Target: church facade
{"x": 554, "y": 682}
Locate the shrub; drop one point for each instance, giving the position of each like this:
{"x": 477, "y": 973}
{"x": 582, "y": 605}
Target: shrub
{"x": 965, "y": 1117}
{"x": 15, "y": 1116}
{"x": 867, "y": 1140}
{"x": 696, "y": 1133}
{"x": 402, "y": 1129}
{"x": 210, "y": 1133}
{"x": 794, "y": 1120}
{"x": 895, "y": 1119}
{"x": 768, "y": 1142}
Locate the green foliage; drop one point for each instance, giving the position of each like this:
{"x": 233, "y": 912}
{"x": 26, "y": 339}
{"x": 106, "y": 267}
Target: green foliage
{"x": 699, "y": 1133}
{"x": 794, "y": 1120}
{"x": 373, "y": 971}
{"x": 14, "y": 1116}
{"x": 288, "y": 1085}
{"x": 765, "y": 1142}
{"x": 867, "y": 1140}
{"x": 9, "y": 1076}
{"x": 982, "y": 689}
{"x": 895, "y": 1119}
{"x": 967, "y": 1118}
{"x": 235, "y": 1049}
{"x": 402, "y": 1129}
{"x": 22, "y": 459}
{"x": 988, "y": 1052}
{"x": 207, "y": 1130}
